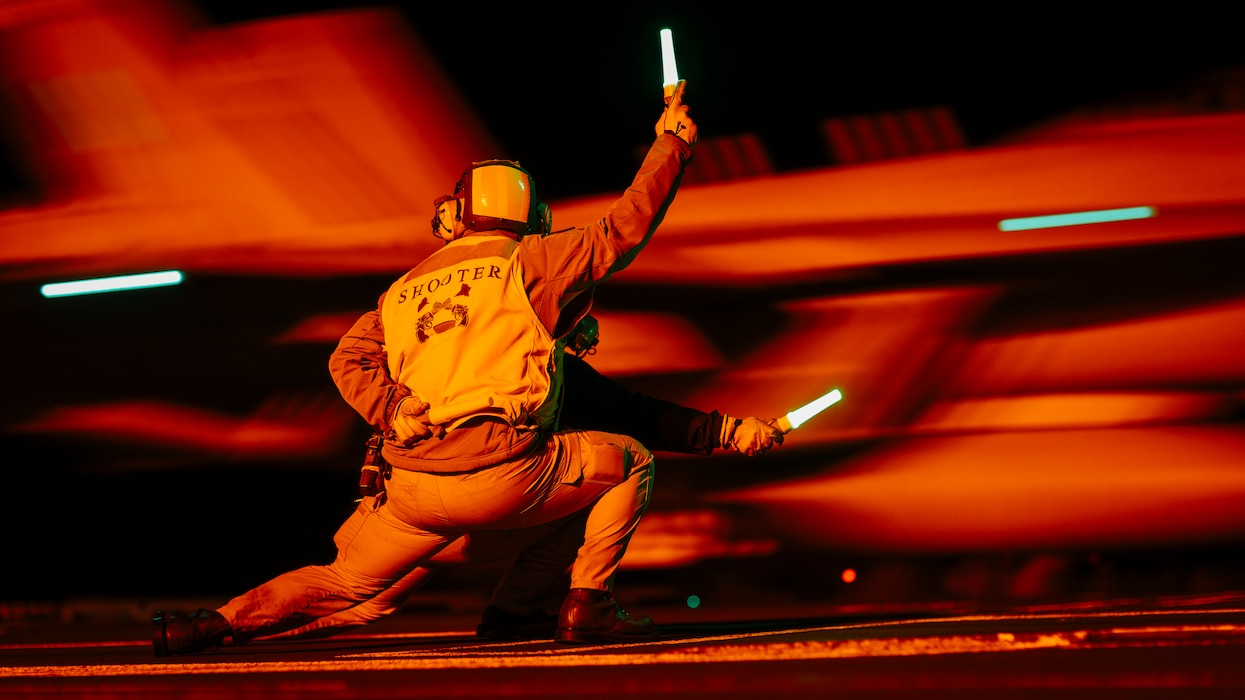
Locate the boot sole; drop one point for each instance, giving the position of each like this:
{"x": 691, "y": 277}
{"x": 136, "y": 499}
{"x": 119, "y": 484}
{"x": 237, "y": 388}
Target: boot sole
{"x": 572, "y": 636}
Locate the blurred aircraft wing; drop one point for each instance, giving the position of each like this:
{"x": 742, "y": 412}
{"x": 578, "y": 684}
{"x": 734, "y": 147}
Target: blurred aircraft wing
{"x": 291, "y": 145}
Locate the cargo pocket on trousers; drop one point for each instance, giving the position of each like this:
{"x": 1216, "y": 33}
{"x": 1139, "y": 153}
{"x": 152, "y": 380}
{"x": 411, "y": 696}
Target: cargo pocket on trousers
{"x": 606, "y": 464}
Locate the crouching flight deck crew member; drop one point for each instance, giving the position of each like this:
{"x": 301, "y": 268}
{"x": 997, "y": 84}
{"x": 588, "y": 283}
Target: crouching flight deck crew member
{"x": 543, "y": 554}
{"x": 471, "y": 341}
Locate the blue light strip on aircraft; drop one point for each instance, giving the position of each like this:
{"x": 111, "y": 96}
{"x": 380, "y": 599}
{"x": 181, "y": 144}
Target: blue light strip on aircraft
{"x": 112, "y": 284}
{"x": 1077, "y": 218}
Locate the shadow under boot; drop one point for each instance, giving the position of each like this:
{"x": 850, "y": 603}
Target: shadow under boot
{"x": 499, "y": 624}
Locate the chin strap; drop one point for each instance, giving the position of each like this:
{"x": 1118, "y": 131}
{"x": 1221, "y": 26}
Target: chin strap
{"x": 728, "y": 430}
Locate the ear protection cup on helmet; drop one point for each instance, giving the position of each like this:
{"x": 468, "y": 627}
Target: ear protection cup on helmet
{"x": 543, "y": 219}
{"x": 445, "y": 215}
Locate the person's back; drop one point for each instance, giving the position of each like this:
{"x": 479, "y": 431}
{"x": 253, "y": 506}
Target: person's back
{"x": 471, "y": 329}
{"x": 462, "y": 336}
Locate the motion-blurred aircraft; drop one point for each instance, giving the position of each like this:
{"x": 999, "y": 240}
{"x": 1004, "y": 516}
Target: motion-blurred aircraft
{"x": 1009, "y": 382}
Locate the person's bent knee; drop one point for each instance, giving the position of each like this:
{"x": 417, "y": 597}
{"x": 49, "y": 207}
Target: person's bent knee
{"x": 640, "y": 460}
{"x": 616, "y": 460}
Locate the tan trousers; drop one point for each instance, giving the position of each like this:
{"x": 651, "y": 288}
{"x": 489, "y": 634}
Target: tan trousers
{"x": 543, "y": 554}
{"x": 603, "y": 479}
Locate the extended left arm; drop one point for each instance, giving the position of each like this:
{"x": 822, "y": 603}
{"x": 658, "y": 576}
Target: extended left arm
{"x": 595, "y": 402}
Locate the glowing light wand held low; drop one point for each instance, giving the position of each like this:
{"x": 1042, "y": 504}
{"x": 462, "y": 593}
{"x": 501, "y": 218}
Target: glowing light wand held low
{"x": 796, "y": 418}
{"x": 671, "y": 84}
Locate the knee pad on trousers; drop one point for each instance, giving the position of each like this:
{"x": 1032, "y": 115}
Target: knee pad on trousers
{"x": 612, "y": 464}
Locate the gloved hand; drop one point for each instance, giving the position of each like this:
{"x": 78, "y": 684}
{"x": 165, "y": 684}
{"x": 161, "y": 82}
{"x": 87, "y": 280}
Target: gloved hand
{"x": 410, "y": 422}
{"x": 750, "y": 436}
{"x": 677, "y": 121}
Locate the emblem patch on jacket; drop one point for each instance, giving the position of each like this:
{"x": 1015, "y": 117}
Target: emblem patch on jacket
{"x": 441, "y": 316}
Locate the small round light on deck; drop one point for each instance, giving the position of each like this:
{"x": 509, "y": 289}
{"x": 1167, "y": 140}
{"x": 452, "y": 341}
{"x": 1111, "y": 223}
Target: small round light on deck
{"x": 849, "y": 575}
{"x": 693, "y": 601}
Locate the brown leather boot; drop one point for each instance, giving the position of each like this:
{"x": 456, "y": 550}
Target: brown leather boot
{"x": 594, "y": 617}
{"x": 178, "y": 633}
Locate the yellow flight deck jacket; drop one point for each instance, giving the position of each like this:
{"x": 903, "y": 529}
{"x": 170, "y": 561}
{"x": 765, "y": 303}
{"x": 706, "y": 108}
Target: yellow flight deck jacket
{"x": 471, "y": 330}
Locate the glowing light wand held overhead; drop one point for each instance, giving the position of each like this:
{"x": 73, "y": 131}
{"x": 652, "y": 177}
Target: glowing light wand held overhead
{"x": 796, "y": 418}
{"x": 671, "y": 84}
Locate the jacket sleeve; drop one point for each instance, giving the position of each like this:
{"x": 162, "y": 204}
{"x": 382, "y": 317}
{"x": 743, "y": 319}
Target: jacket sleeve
{"x": 593, "y": 401}
{"x": 360, "y": 369}
{"x": 560, "y": 266}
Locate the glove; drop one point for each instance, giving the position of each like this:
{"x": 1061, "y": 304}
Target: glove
{"x": 750, "y": 436}
{"x": 410, "y": 422}
{"x": 676, "y": 120}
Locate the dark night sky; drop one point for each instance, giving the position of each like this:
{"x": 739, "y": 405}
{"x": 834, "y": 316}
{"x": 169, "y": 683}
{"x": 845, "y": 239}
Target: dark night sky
{"x": 572, "y": 93}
